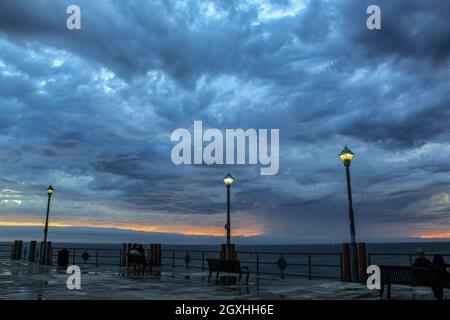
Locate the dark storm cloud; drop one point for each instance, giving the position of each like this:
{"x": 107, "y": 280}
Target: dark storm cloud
{"x": 93, "y": 109}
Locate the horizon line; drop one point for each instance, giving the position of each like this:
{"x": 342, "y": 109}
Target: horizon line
{"x": 419, "y": 238}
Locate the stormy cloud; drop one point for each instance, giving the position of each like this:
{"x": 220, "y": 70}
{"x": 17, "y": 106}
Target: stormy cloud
{"x": 91, "y": 111}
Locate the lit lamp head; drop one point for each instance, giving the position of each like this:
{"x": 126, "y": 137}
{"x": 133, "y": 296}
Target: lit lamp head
{"x": 346, "y": 156}
{"x": 228, "y": 180}
{"x": 50, "y": 191}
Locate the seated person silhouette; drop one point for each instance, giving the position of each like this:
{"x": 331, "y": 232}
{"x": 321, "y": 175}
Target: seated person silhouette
{"x": 421, "y": 261}
{"x": 134, "y": 249}
{"x": 439, "y": 264}
{"x": 137, "y": 257}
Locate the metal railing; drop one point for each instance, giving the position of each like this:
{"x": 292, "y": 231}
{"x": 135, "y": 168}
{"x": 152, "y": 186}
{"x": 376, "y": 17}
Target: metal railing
{"x": 397, "y": 258}
{"x": 91, "y": 256}
{"x": 309, "y": 265}
{"x": 5, "y": 250}
{"x": 292, "y": 264}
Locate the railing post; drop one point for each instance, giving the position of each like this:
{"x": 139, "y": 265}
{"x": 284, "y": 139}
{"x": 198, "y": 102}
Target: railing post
{"x": 203, "y": 260}
{"x": 257, "y": 264}
{"x": 369, "y": 259}
{"x": 309, "y": 266}
{"x": 341, "y": 266}
{"x": 123, "y": 255}
{"x": 96, "y": 257}
{"x": 173, "y": 258}
{"x": 73, "y": 256}
{"x": 282, "y": 269}
{"x": 410, "y": 259}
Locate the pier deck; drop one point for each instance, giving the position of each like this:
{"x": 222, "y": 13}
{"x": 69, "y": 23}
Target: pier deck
{"x": 19, "y": 280}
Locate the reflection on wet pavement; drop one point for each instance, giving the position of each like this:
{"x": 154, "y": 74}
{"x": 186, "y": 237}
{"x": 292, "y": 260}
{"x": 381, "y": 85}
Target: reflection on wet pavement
{"x": 31, "y": 281}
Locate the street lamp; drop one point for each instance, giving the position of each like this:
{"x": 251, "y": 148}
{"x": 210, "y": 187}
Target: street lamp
{"x": 228, "y": 180}
{"x": 346, "y": 156}
{"x": 50, "y": 191}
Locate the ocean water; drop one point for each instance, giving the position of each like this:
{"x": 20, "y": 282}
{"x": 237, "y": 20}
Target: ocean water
{"x": 317, "y": 261}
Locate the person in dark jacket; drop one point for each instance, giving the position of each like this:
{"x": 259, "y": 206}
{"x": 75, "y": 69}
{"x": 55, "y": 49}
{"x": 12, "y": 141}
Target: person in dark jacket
{"x": 134, "y": 249}
{"x": 421, "y": 261}
{"x": 141, "y": 250}
{"x": 439, "y": 265}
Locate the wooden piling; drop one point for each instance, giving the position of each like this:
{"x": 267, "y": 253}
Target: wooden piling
{"x": 232, "y": 252}
{"x": 19, "y": 250}
{"x": 158, "y": 254}
{"x": 49, "y": 252}
{"x": 16, "y": 250}
{"x": 362, "y": 262}
{"x": 346, "y": 275}
{"x": 155, "y": 254}
{"x": 32, "y": 252}
{"x": 223, "y": 251}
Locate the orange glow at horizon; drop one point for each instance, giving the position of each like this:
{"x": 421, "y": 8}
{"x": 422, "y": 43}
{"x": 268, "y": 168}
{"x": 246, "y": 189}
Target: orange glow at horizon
{"x": 190, "y": 230}
{"x": 435, "y": 236}
{"x": 31, "y": 224}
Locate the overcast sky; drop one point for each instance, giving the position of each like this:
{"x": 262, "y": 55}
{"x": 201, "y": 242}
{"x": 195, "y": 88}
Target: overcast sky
{"x": 91, "y": 112}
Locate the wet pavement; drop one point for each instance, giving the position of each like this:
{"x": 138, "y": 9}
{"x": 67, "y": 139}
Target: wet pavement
{"x": 20, "y": 280}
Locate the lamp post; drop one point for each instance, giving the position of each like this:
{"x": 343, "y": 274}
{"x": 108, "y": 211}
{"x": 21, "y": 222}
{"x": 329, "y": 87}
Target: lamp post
{"x": 50, "y": 191}
{"x": 228, "y": 180}
{"x": 346, "y": 156}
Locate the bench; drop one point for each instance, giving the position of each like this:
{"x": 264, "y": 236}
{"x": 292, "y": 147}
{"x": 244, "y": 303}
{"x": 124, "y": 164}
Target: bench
{"x": 412, "y": 276}
{"x": 138, "y": 262}
{"x": 232, "y": 266}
